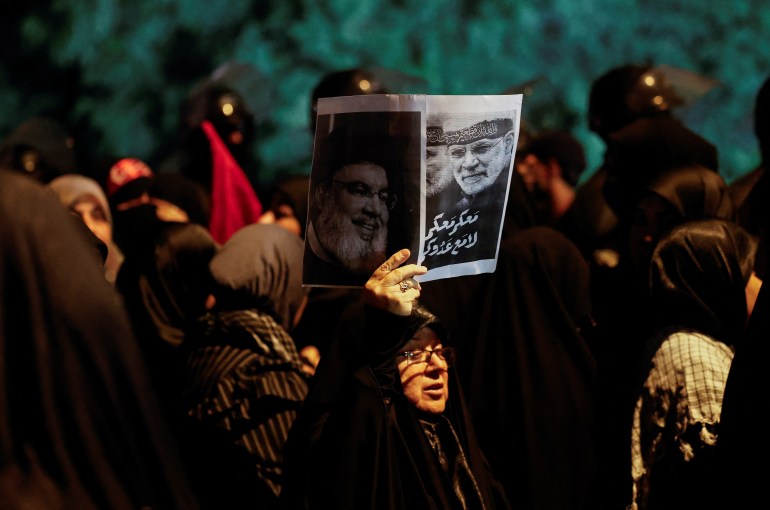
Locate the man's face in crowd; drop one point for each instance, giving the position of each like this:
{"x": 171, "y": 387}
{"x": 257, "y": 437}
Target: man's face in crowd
{"x": 477, "y": 165}
{"x": 438, "y": 173}
{"x": 535, "y": 173}
{"x": 353, "y": 218}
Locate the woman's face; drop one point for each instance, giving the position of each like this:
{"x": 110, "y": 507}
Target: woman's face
{"x": 425, "y": 384}
{"x": 91, "y": 212}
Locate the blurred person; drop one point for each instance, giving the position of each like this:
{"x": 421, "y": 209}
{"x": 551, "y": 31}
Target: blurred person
{"x": 659, "y": 174}
{"x": 620, "y": 96}
{"x": 245, "y": 381}
{"x": 215, "y": 155}
{"x": 699, "y": 276}
{"x": 136, "y": 214}
{"x": 751, "y": 192}
{"x": 80, "y": 426}
{"x": 177, "y": 199}
{"x": 285, "y": 208}
{"x": 740, "y": 479}
{"x": 551, "y": 164}
{"x": 84, "y": 197}
{"x": 165, "y": 284}
{"x": 40, "y": 147}
{"x": 355, "y": 81}
{"x": 164, "y": 295}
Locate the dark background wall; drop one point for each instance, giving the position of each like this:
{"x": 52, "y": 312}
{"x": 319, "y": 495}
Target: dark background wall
{"x": 116, "y": 71}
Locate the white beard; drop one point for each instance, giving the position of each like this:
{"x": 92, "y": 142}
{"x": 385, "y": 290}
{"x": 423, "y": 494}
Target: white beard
{"x": 342, "y": 241}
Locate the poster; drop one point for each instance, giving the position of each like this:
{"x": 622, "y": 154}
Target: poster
{"x": 428, "y": 173}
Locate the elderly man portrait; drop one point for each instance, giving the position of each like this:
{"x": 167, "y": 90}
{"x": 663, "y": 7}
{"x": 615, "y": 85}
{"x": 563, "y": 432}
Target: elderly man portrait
{"x": 353, "y": 194}
{"x": 479, "y": 151}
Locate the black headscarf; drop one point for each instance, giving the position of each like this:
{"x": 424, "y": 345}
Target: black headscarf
{"x": 165, "y": 293}
{"x": 694, "y": 191}
{"x": 263, "y": 275}
{"x": 79, "y": 426}
{"x": 530, "y": 372}
{"x": 373, "y": 451}
{"x": 645, "y": 149}
{"x": 172, "y": 287}
{"x": 698, "y": 277}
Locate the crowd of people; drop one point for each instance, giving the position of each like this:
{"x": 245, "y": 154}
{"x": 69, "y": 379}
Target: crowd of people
{"x": 158, "y": 348}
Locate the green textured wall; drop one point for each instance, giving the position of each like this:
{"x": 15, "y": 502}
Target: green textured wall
{"x": 116, "y": 70}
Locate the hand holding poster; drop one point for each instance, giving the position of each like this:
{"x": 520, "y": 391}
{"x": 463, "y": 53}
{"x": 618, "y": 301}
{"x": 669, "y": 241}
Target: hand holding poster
{"x": 428, "y": 173}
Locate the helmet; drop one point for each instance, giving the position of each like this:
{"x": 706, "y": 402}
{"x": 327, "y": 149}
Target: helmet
{"x": 224, "y": 107}
{"x": 349, "y": 82}
{"x": 627, "y": 93}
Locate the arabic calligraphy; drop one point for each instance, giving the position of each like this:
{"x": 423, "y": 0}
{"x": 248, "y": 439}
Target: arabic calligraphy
{"x": 461, "y": 222}
{"x": 441, "y": 236}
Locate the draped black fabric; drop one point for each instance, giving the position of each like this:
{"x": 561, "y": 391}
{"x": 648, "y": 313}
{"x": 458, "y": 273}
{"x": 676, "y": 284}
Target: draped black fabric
{"x": 372, "y": 451}
{"x": 742, "y": 448}
{"x": 259, "y": 269}
{"x": 165, "y": 292}
{"x": 244, "y": 380}
{"x": 79, "y": 425}
{"x": 698, "y": 277}
{"x": 531, "y": 375}
{"x": 754, "y": 215}
{"x": 620, "y": 294}
{"x": 694, "y": 191}
{"x": 645, "y": 148}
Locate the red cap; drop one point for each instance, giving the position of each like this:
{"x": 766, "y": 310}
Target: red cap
{"x": 127, "y": 170}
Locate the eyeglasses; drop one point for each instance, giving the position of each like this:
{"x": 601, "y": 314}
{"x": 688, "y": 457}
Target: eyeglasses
{"x": 423, "y": 356}
{"x": 360, "y": 190}
{"x": 479, "y": 150}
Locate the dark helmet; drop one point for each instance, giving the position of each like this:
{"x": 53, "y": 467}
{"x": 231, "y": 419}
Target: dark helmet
{"x": 224, "y": 107}
{"x": 349, "y": 82}
{"x": 40, "y": 147}
{"x": 627, "y": 93}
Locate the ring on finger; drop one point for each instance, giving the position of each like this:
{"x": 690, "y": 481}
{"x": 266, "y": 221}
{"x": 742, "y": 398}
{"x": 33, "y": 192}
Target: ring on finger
{"x": 405, "y": 285}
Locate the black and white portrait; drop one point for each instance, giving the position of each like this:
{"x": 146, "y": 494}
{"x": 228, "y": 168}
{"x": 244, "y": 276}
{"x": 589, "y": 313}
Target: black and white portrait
{"x": 468, "y": 160}
{"x": 362, "y": 207}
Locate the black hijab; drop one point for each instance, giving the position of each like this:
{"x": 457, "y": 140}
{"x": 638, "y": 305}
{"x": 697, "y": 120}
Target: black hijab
{"x": 174, "y": 284}
{"x": 698, "y": 276}
{"x": 260, "y": 267}
{"x": 79, "y": 426}
{"x": 644, "y": 149}
{"x": 373, "y": 451}
{"x": 531, "y": 373}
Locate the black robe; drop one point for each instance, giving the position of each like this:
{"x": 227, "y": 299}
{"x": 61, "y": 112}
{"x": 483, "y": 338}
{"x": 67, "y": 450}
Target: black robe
{"x": 529, "y": 372}
{"x": 369, "y": 449}
{"x": 79, "y": 424}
